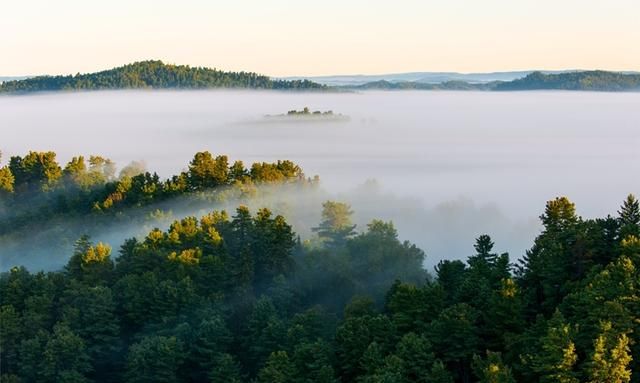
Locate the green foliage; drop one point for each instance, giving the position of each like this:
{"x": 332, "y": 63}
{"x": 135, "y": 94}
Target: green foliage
{"x": 354, "y": 337}
{"x": 610, "y": 358}
{"x": 556, "y": 359}
{"x": 90, "y": 264}
{"x": 277, "y": 369}
{"x": 586, "y": 80}
{"x": 417, "y": 357}
{"x": 10, "y": 332}
{"x": 492, "y": 369}
{"x": 237, "y": 298}
{"x": 336, "y": 226}
{"x": 154, "y": 74}
{"x": 56, "y": 357}
{"x": 6, "y": 180}
{"x": 225, "y": 369}
{"x": 36, "y": 194}
{"x": 37, "y": 171}
{"x": 629, "y": 217}
{"x": 154, "y": 359}
{"x": 439, "y": 373}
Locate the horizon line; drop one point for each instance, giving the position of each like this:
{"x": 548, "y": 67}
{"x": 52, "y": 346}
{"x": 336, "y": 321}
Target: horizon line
{"x": 336, "y": 74}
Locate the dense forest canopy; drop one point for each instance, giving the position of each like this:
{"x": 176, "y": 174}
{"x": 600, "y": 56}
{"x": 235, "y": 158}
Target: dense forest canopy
{"x": 586, "y": 80}
{"x": 236, "y": 296}
{"x": 156, "y": 75}
{"x": 49, "y": 202}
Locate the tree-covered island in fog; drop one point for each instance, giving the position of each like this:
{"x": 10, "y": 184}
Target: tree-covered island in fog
{"x": 306, "y": 114}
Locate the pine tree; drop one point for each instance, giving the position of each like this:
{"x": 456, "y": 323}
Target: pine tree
{"x": 556, "y": 359}
{"x": 336, "y": 226}
{"x": 64, "y": 357}
{"x": 439, "y": 373}
{"x": 277, "y": 369}
{"x": 610, "y": 358}
{"x": 492, "y": 369}
{"x": 417, "y": 356}
{"x": 225, "y": 369}
{"x": 154, "y": 359}
{"x": 6, "y": 180}
{"x": 629, "y": 217}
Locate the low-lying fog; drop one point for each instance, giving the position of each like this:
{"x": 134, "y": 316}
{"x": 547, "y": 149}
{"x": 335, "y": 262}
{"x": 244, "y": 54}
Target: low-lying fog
{"x": 449, "y": 165}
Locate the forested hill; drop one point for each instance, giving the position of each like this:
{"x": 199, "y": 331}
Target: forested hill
{"x": 158, "y": 75}
{"x": 588, "y": 80}
{"x": 155, "y": 75}
{"x": 578, "y": 81}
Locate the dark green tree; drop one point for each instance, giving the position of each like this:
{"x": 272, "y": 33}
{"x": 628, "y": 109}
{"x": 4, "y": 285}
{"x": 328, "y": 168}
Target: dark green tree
{"x": 336, "y": 226}
{"x": 492, "y": 369}
{"x": 225, "y": 369}
{"x": 278, "y": 369}
{"x": 629, "y": 217}
{"x": 154, "y": 359}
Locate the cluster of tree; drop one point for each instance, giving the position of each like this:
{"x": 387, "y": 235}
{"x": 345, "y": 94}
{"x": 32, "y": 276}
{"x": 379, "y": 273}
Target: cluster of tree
{"x": 212, "y": 299}
{"x": 241, "y": 299}
{"x": 36, "y": 187}
{"x": 306, "y": 112}
{"x": 586, "y": 80}
{"x": 154, "y": 74}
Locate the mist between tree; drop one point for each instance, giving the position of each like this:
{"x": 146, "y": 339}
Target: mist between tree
{"x": 446, "y": 231}
{"x": 449, "y": 166}
{"x": 238, "y": 296}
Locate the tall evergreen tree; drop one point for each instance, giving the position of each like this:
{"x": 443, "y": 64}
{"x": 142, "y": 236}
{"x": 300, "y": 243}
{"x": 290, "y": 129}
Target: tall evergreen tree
{"x": 629, "y": 217}
{"x": 336, "y": 226}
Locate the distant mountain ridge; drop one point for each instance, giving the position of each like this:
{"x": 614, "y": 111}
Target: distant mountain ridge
{"x": 586, "y": 80}
{"x": 575, "y": 81}
{"x": 420, "y": 77}
{"x": 156, "y": 75}
{"x": 515, "y": 80}
{"x": 12, "y": 78}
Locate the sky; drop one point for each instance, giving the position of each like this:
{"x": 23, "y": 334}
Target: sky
{"x": 329, "y": 37}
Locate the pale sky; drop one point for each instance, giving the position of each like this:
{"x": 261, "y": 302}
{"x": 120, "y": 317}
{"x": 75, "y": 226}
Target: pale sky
{"x": 296, "y": 37}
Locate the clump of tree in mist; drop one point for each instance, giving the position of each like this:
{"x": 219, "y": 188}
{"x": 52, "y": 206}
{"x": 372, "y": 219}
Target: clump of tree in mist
{"x": 242, "y": 299}
{"x": 46, "y": 202}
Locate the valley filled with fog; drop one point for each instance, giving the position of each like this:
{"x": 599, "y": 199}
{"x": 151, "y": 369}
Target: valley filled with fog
{"x": 445, "y": 167}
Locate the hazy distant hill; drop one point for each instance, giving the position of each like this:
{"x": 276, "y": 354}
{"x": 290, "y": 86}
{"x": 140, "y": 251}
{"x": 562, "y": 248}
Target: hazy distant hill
{"x": 587, "y": 80}
{"x": 419, "y": 77}
{"x": 522, "y": 80}
{"x": 12, "y": 78}
{"x": 579, "y": 81}
{"x": 413, "y": 85}
{"x": 155, "y": 74}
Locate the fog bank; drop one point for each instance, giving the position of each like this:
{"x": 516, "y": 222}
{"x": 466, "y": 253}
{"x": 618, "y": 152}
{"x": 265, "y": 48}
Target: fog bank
{"x": 448, "y": 165}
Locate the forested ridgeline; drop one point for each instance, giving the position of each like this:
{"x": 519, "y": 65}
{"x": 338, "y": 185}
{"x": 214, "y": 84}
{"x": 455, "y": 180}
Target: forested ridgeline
{"x": 239, "y": 298}
{"x": 34, "y": 188}
{"x": 597, "y": 80}
{"x": 45, "y": 207}
{"x": 156, "y": 75}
